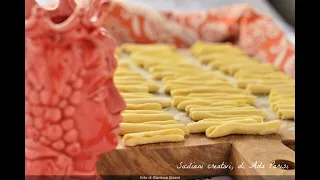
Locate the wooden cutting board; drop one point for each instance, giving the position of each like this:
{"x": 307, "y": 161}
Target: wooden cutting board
{"x": 241, "y": 156}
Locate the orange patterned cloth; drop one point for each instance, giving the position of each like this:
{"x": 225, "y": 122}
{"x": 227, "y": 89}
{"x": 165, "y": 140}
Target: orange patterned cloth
{"x": 252, "y": 31}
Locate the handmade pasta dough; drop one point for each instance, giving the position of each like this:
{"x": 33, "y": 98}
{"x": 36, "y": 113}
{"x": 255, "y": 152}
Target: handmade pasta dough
{"x": 181, "y": 106}
{"x": 184, "y": 104}
{"x": 137, "y": 95}
{"x": 284, "y": 106}
{"x": 218, "y": 104}
{"x": 273, "y": 75}
{"x": 281, "y": 102}
{"x": 139, "y": 118}
{"x": 214, "y": 76}
{"x": 165, "y": 102}
{"x": 152, "y": 86}
{"x": 145, "y": 106}
{"x": 161, "y": 122}
{"x": 201, "y": 48}
{"x": 202, "y": 126}
{"x": 176, "y": 100}
{"x": 264, "y": 89}
{"x": 196, "y": 116}
{"x": 167, "y": 135}
{"x": 126, "y": 73}
{"x": 163, "y": 68}
{"x": 130, "y": 78}
{"x": 207, "y": 58}
{"x": 243, "y": 83}
{"x": 253, "y": 112}
{"x": 229, "y": 128}
{"x": 132, "y": 88}
{"x": 123, "y": 64}
{"x": 126, "y": 128}
{"x": 259, "y": 119}
{"x": 221, "y": 108}
{"x": 287, "y": 114}
{"x": 142, "y": 112}
{"x": 184, "y": 92}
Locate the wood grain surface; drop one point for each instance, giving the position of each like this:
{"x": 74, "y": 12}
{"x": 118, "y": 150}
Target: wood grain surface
{"x": 165, "y": 158}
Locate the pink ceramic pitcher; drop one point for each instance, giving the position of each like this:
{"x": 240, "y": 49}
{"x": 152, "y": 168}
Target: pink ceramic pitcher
{"x": 72, "y": 106}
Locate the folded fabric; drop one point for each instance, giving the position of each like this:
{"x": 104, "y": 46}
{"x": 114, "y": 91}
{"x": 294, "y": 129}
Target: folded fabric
{"x": 247, "y": 28}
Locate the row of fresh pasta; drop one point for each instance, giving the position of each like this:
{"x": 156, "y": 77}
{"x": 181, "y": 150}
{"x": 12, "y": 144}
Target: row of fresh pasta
{"x": 205, "y": 95}
{"x": 142, "y": 107}
{"x": 251, "y": 74}
{"x": 126, "y": 80}
{"x": 171, "y": 131}
{"x": 256, "y": 77}
{"x": 282, "y": 101}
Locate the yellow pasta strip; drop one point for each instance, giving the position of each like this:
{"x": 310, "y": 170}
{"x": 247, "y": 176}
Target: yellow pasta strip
{"x": 214, "y": 76}
{"x": 183, "y": 65}
{"x": 275, "y": 92}
{"x": 162, "y": 61}
{"x": 219, "y": 104}
{"x": 233, "y": 68}
{"x": 197, "y": 82}
{"x": 132, "y": 88}
{"x": 207, "y": 58}
{"x": 260, "y": 70}
{"x": 132, "y": 78}
{"x": 247, "y": 99}
{"x": 243, "y": 83}
{"x": 214, "y": 103}
{"x": 263, "y": 89}
{"x": 272, "y": 75}
{"x": 270, "y": 127}
{"x": 139, "y": 118}
{"x": 143, "y": 112}
{"x": 126, "y": 73}
{"x": 289, "y": 101}
{"x": 161, "y": 122}
{"x": 146, "y": 106}
{"x": 126, "y": 128}
{"x": 137, "y": 95}
{"x": 224, "y": 68}
{"x": 169, "y": 88}
{"x": 167, "y": 135}
{"x": 163, "y": 74}
{"x": 187, "y": 91}
{"x": 222, "y": 108}
{"x": 286, "y": 114}
{"x": 284, "y": 106}
{"x": 274, "y": 98}
{"x": 170, "y": 69}
{"x": 219, "y": 63}
{"x": 165, "y": 102}
{"x": 124, "y": 64}
{"x": 202, "y": 126}
{"x": 181, "y": 106}
{"x": 259, "y": 119}
{"x": 196, "y": 116}
{"x": 252, "y": 112}
{"x": 201, "y": 48}
{"x": 180, "y": 101}
{"x": 125, "y": 81}
{"x": 152, "y": 86}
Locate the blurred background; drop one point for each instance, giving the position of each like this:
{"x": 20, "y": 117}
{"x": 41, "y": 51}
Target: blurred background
{"x": 281, "y": 11}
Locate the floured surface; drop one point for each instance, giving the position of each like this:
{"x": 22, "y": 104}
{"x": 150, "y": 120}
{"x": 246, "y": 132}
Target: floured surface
{"x": 287, "y": 129}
